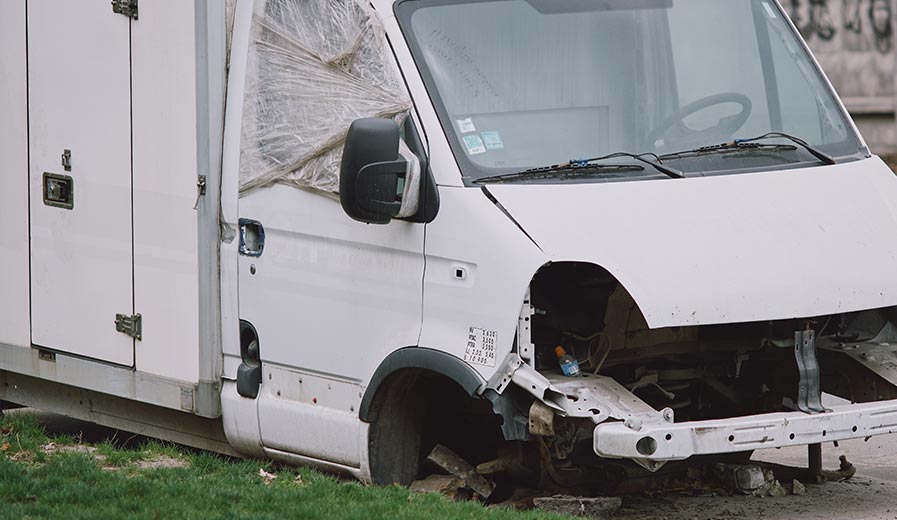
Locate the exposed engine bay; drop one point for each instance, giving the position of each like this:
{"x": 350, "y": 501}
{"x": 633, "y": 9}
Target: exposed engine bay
{"x": 701, "y": 372}
{"x": 673, "y": 375}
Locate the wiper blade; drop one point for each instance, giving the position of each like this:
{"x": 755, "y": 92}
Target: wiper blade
{"x": 752, "y": 144}
{"x": 560, "y": 170}
{"x": 657, "y": 164}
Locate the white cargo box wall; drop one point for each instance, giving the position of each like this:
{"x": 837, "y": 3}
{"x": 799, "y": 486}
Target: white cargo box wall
{"x": 14, "y": 320}
{"x": 121, "y": 95}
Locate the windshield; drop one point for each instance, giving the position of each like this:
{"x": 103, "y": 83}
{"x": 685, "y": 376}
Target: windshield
{"x": 522, "y": 84}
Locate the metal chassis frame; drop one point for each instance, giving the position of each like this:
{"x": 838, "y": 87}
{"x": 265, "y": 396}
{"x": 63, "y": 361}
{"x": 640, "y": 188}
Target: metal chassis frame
{"x": 115, "y": 412}
{"x": 90, "y": 375}
{"x": 677, "y": 441}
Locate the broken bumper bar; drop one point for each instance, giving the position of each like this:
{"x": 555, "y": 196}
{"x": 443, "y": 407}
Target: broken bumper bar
{"x": 676, "y": 441}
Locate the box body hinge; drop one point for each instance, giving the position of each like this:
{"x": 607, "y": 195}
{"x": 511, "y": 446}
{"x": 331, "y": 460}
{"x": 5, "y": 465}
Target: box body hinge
{"x": 125, "y": 7}
{"x": 132, "y": 325}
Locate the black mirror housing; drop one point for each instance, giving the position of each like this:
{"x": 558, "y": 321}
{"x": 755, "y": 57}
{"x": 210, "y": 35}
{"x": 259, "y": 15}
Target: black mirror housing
{"x": 370, "y": 171}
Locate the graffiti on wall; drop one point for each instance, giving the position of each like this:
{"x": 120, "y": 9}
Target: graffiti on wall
{"x": 858, "y": 18}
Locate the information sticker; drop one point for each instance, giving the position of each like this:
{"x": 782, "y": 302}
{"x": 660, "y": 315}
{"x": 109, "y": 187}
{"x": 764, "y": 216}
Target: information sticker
{"x": 474, "y": 144}
{"x": 492, "y": 140}
{"x": 466, "y": 125}
{"x": 481, "y": 346}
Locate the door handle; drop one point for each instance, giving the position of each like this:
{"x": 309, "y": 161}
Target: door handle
{"x": 252, "y": 237}
{"x": 59, "y": 191}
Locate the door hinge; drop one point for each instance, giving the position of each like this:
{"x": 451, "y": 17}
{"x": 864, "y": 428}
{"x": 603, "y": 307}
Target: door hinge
{"x": 132, "y": 325}
{"x": 125, "y": 7}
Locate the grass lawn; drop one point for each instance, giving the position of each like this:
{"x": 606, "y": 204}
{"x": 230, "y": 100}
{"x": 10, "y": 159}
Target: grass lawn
{"x": 57, "y": 477}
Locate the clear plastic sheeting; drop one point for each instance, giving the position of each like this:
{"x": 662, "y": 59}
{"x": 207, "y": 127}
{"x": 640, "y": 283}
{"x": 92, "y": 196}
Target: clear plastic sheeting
{"x": 314, "y": 67}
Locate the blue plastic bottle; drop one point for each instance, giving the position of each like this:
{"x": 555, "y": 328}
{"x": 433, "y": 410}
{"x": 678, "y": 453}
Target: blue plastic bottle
{"x": 569, "y": 365}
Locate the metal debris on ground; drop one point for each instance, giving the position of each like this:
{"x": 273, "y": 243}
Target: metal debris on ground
{"x": 589, "y": 507}
{"x": 451, "y": 462}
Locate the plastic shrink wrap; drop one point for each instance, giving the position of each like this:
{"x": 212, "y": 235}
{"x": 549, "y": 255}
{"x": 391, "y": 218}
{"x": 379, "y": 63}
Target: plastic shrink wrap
{"x": 314, "y": 66}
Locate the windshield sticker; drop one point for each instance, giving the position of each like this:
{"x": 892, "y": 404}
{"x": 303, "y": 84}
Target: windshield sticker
{"x": 466, "y": 125}
{"x": 474, "y": 144}
{"x": 769, "y": 10}
{"x": 481, "y": 346}
{"x": 492, "y": 140}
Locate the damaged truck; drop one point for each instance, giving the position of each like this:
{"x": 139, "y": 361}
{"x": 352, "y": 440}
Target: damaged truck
{"x": 572, "y": 241}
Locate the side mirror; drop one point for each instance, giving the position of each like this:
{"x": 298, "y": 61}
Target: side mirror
{"x": 370, "y": 171}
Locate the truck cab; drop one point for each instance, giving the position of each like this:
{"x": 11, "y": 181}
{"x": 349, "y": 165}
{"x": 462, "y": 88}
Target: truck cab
{"x": 671, "y": 192}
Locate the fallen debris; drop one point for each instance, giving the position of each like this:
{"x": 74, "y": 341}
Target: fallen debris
{"x": 267, "y": 478}
{"x": 776, "y": 489}
{"x": 743, "y": 478}
{"x": 797, "y": 488}
{"x": 844, "y": 472}
{"x": 748, "y": 479}
{"x": 162, "y": 461}
{"x": 451, "y": 462}
{"x": 589, "y": 507}
{"x": 448, "y": 485}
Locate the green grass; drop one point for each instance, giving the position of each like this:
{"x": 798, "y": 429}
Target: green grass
{"x": 63, "y": 480}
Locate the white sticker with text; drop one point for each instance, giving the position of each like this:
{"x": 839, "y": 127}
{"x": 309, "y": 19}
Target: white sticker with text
{"x": 481, "y": 346}
{"x": 466, "y": 125}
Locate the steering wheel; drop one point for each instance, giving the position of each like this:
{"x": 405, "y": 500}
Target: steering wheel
{"x": 674, "y": 129}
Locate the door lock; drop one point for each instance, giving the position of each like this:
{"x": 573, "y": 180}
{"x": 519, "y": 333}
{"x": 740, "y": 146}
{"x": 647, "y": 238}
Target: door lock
{"x": 59, "y": 191}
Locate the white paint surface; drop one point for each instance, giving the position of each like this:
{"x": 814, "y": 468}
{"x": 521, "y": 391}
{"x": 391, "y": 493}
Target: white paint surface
{"x": 311, "y": 415}
{"x": 79, "y": 81}
{"x": 330, "y": 294}
{"x": 728, "y": 249}
{"x": 15, "y": 327}
{"x": 470, "y": 232}
{"x": 165, "y": 225}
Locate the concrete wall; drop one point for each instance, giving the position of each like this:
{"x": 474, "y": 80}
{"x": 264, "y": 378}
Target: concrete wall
{"x": 855, "y": 44}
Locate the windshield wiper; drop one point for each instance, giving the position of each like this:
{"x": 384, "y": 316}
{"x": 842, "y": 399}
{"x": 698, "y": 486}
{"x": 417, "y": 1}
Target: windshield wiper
{"x": 752, "y": 144}
{"x": 561, "y": 170}
{"x": 657, "y": 164}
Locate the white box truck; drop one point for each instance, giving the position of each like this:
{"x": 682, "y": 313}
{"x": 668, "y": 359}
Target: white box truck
{"x": 341, "y": 232}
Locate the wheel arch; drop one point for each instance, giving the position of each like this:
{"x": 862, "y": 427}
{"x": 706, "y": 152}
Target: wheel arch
{"x": 419, "y": 358}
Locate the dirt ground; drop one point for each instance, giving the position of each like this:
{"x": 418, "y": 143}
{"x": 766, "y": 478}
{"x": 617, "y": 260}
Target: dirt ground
{"x": 871, "y": 494}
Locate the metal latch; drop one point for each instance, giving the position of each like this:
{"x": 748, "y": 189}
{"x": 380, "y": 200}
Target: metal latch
{"x": 125, "y": 7}
{"x": 67, "y": 160}
{"x": 200, "y": 189}
{"x": 132, "y": 325}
